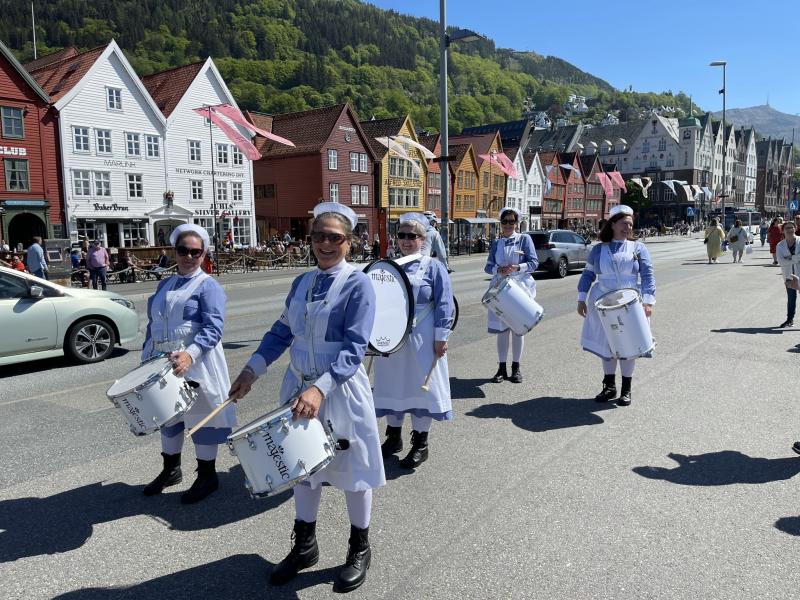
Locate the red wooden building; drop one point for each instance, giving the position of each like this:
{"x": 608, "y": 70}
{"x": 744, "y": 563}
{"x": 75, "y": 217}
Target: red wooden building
{"x": 31, "y": 200}
{"x": 591, "y": 168}
{"x": 554, "y": 193}
{"x": 575, "y": 194}
{"x": 332, "y": 161}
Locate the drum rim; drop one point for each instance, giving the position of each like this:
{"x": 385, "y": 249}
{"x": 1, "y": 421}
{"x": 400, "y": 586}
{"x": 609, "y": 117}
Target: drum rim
{"x": 412, "y": 307}
{"x": 239, "y": 433}
{"x": 498, "y": 286}
{"x": 618, "y": 306}
{"x": 147, "y": 382}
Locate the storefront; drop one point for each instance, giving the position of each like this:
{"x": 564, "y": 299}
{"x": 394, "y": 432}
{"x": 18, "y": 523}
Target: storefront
{"x": 23, "y": 219}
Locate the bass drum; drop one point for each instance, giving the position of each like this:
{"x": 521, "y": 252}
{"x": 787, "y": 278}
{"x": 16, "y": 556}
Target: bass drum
{"x": 394, "y": 307}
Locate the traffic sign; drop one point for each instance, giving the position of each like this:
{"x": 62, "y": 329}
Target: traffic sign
{"x": 791, "y": 205}
{"x": 689, "y": 211}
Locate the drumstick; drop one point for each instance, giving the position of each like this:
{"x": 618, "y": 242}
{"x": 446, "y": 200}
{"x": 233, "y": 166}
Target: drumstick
{"x": 369, "y": 365}
{"x": 210, "y": 416}
{"x": 426, "y": 385}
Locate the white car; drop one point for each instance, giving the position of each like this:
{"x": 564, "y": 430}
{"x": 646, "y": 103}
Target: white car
{"x": 40, "y": 319}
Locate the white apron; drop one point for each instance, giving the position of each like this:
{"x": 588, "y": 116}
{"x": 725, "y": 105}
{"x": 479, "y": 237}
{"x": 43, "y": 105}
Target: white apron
{"x": 171, "y": 333}
{"x": 506, "y": 256}
{"x": 349, "y": 408}
{"x": 399, "y": 377}
{"x": 615, "y": 272}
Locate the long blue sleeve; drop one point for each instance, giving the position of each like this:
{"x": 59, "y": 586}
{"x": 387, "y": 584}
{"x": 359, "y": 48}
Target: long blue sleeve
{"x": 491, "y": 264}
{"x": 589, "y": 273}
{"x": 529, "y": 257}
{"x": 646, "y": 274}
{"x": 207, "y": 307}
{"x": 444, "y": 309}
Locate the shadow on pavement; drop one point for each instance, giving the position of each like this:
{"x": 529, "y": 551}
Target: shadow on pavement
{"x": 59, "y": 362}
{"x": 466, "y": 389}
{"x": 238, "y": 576}
{"x": 727, "y": 467}
{"x": 391, "y": 465}
{"x": 790, "y": 525}
{"x": 546, "y": 413}
{"x": 64, "y": 521}
{"x": 750, "y": 330}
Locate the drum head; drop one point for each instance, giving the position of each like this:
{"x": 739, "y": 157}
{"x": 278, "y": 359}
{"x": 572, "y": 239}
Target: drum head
{"x": 139, "y": 375}
{"x": 617, "y": 298}
{"x": 394, "y": 306}
{"x": 281, "y": 411}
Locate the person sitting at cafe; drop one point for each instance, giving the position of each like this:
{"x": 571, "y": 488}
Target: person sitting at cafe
{"x": 17, "y": 264}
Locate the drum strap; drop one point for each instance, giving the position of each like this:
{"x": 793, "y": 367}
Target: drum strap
{"x": 422, "y": 314}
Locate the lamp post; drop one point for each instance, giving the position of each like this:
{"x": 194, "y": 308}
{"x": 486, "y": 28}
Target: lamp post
{"x": 463, "y": 35}
{"x": 723, "y": 91}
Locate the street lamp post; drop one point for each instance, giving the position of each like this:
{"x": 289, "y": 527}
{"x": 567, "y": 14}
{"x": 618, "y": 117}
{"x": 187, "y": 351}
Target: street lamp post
{"x": 723, "y": 91}
{"x": 463, "y": 35}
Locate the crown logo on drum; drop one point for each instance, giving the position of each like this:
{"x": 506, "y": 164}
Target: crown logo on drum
{"x": 382, "y": 341}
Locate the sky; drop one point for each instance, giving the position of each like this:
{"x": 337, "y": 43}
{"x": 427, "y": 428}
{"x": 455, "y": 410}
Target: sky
{"x": 653, "y": 46}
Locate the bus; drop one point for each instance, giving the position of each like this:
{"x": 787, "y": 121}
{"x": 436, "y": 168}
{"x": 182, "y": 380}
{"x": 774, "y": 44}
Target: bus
{"x": 750, "y": 220}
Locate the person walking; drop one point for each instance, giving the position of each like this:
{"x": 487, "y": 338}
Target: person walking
{"x": 787, "y": 255}
{"x": 98, "y": 262}
{"x": 774, "y": 235}
{"x": 737, "y": 240}
{"x": 762, "y": 231}
{"x": 37, "y": 265}
{"x": 713, "y": 241}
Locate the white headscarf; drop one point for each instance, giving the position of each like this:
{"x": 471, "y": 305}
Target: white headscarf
{"x": 335, "y": 207}
{"x": 620, "y": 208}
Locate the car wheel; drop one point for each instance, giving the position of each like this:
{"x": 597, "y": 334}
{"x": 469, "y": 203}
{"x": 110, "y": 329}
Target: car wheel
{"x": 91, "y": 340}
{"x": 562, "y": 268}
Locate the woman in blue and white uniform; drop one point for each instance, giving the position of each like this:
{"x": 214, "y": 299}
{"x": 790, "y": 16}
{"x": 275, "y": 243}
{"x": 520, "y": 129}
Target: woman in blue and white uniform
{"x": 615, "y": 263}
{"x": 399, "y": 377}
{"x": 326, "y": 325}
{"x": 511, "y": 255}
{"x": 186, "y": 316}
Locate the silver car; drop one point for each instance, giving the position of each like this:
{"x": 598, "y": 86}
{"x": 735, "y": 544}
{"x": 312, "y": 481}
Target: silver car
{"x": 40, "y": 319}
{"x": 560, "y": 250}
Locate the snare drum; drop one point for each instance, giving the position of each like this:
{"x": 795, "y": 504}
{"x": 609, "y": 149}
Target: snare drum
{"x": 394, "y": 306}
{"x": 627, "y": 328}
{"x": 513, "y": 305}
{"x": 151, "y": 396}
{"x": 276, "y": 453}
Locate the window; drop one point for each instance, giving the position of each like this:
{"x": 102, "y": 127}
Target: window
{"x": 102, "y": 184}
{"x": 654, "y": 162}
{"x": 365, "y": 195}
{"x": 265, "y": 191}
{"x": 153, "y": 145}
{"x": 354, "y": 162}
{"x": 662, "y": 145}
{"x": 355, "y": 193}
{"x": 80, "y": 135}
{"x": 486, "y": 179}
{"x": 645, "y": 146}
{"x": 222, "y": 191}
{"x": 81, "y": 183}
{"x": 237, "y": 192}
{"x": 114, "y": 98}
{"x": 363, "y": 164}
{"x": 333, "y": 189}
{"x": 133, "y": 232}
{"x": 194, "y": 151}
{"x": 135, "y": 186}
{"x": 333, "y": 160}
{"x": 222, "y": 154}
{"x": 16, "y": 175}
{"x": 13, "y": 122}
{"x": 394, "y": 166}
{"x": 12, "y": 287}
{"x": 197, "y": 190}
{"x": 103, "y": 141}
{"x": 206, "y": 223}
{"x": 237, "y": 156}
{"x": 132, "y": 145}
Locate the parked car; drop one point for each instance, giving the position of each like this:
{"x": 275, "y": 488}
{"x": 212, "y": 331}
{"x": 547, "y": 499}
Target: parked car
{"x": 40, "y": 319}
{"x": 560, "y": 250}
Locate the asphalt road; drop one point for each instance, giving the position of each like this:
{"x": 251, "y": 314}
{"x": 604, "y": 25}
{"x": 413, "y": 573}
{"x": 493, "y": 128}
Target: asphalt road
{"x": 533, "y": 491}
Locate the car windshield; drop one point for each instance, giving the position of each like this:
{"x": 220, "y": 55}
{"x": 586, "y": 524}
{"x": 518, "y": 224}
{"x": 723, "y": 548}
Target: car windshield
{"x": 539, "y": 240}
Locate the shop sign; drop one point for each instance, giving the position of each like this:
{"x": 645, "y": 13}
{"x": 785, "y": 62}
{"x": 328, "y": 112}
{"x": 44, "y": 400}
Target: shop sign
{"x": 13, "y": 151}
{"x": 229, "y": 209}
{"x": 110, "y": 207}
{"x": 125, "y": 164}
{"x": 208, "y": 173}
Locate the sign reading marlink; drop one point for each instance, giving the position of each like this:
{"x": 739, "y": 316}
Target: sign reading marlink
{"x": 216, "y": 173}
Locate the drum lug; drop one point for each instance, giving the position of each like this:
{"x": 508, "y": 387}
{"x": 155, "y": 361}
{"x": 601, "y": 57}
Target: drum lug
{"x": 328, "y": 449}
{"x": 302, "y": 464}
{"x": 330, "y": 426}
{"x": 284, "y": 429}
{"x": 251, "y": 442}
{"x": 269, "y": 482}
{"x": 231, "y": 448}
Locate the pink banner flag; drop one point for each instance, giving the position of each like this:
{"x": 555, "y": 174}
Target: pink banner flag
{"x": 605, "y": 182}
{"x": 237, "y": 117}
{"x": 495, "y": 161}
{"x": 512, "y": 170}
{"x": 616, "y": 177}
{"x": 245, "y": 145}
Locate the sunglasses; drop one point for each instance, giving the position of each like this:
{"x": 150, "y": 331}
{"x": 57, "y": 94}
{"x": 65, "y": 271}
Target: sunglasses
{"x": 509, "y": 221}
{"x": 193, "y": 252}
{"x": 319, "y": 237}
{"x": 402, "y": 235}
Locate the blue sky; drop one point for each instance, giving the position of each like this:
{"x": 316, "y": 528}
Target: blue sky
{"x": 654, "y": 46}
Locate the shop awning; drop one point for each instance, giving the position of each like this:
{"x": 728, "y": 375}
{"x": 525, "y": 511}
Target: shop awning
{"x": 479, "y": 220}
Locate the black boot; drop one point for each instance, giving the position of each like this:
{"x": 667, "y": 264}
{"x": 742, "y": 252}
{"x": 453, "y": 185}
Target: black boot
{"x": 419, "y": 450}
{"x": 304, "y": 553}
{"x": 609, "y": 391}
{"x": 394, "y": 441}
{"x": 625, "y": 395}
{"x": 501, "y": 374}
{"x": 516, "y": 374}
{"x": 354, "y": 571}
{"x": 170, "y": 475}
{"x": 205, "y": 484}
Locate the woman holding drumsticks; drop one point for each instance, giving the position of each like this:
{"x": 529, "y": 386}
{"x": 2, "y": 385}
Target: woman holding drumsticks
{"x": 326, "y": 325}
{"x": 415, "y": 380}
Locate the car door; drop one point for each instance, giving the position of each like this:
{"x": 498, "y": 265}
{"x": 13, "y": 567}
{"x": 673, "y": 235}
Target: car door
{"x": 27, "y": 324}
{"x": 581, "y": 250}
{"x": 563, "y": 241}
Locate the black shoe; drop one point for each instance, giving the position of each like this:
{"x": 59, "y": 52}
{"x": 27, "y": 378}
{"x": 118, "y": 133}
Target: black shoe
{"x": 516, "y": 374}
{"x": 359, "y": 555}
{"x": 609, "y": 391}
{"x": 205, "y": 484}
{"x": 394, "y": 441}
{"x": 625, "y": 394}
{"x": 419, "y": 450}
{"x": 796, "y": 447}
{"x": 501, "y": 374}
{"x": 786, "y": 323}
{"x": 304, "y": 554}
{"x": 170, "y": 475}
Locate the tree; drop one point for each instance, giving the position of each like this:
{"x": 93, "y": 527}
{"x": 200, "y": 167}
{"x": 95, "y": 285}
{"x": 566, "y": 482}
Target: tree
{"x": 635, "y": 198}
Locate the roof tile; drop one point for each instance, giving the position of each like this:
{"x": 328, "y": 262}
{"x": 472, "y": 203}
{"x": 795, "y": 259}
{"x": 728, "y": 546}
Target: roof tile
{"x": 168, "y": 87}
{"x": 59, "y": 77}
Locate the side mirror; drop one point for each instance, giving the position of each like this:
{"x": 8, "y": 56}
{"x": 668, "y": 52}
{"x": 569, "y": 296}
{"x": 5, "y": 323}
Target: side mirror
{"x": 36, "y": 291}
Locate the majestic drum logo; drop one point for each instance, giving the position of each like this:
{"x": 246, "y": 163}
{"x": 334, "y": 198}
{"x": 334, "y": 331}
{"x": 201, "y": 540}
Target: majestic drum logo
{"x": 382, "y": 342}
{"x": 382, "y": 276}
{"x": 276, "y": 452}
{"x": 134, "y": 412}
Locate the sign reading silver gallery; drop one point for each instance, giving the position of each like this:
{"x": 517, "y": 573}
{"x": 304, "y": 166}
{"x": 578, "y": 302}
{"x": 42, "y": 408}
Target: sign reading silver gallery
{"x": 223, "y": 209}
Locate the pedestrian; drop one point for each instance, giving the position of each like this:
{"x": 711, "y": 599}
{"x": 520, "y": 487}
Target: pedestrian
{"x": 614, "y": 264}
{"x": 433, "y": 244}
{"x": 37, "y": 264}
{"x": 713, "y": 241}
{"x": 376, "y": 247}
{"x": 774, "y": 235}
{"x": 162, "y": 241}
{"x": 17, "y": 264}
{"x": 98, "y": 262}
{"x": 788, "y": 256}
{"x": 287, "y": 237}
{"x": 511, "y": 255}
{"x": 399, "y": 377}
{"x": 185, "y": 320}
{"x": 762, "y": 231}
{"x": 326, "y": 325}
{"x": 4, "y": 246}
{"x": 737, "y": 240}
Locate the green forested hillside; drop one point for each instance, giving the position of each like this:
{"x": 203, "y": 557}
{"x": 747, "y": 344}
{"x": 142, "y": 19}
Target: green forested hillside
{"x": 286, "y": 55}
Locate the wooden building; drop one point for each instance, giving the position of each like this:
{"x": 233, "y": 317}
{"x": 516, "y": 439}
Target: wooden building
{"x": 492, "y": 181}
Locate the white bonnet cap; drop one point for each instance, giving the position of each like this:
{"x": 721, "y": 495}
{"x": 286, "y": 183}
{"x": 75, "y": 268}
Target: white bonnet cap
{"x": 335, "y": 207}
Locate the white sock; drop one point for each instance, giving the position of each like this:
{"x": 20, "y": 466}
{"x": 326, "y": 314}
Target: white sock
{"x": 609, "y": 366}
{"x": 627, "y": 367}
{"x": 359, "y": 508}
{"x": 206, "y": 451}
{"x": 421, "y": 423}
{"x": 394, "y": 421}
{"x": 502, "y": 345}
{"x": 517, "y": 343}
{"x": 172, "y": 445}
{"x": 306, "y": 502}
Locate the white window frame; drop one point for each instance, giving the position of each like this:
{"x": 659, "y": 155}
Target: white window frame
{"x": 354, "y": 162}
{"x": 132, "y": 137}
{"x": 237, "y": 157}
{"x": 86, "y": 183}
{"x": 333, "y": 192}
{"x": 364, "y": 195}
{"x": 113, "y": 98}
{"x": 333, "y": 159}
{"x": 100, "y": 142}
{"x": 8, "y": 164}
{"x": 221, "y": 191}
{"x": 195, "y": 146}
{"x": 355, "y": 194}
{"x": 131, "y": 181}
{"x": 237, "y": 192}
{"x": 102, "y": 183}
{"x": 206, "y": 223}
{"x": 223, "y": 155}
{"x": 363, "y": 161}
{"x": 152, "y": 142}
{"x": 196, "y": 189}
{"x": 84, "y": 136}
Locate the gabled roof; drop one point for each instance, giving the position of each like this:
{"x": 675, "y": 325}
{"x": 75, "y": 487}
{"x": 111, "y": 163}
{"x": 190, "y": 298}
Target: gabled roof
{"x": 627, "y": 131}
{"x": 480, "y": 142}
{"x": 376, "y": 128}
{"x": 588, "y": 163}
{"x": 59, "y": 77}
{"x": 15, "y": 64}
{"x": 458, "y": 152}
{"x": 168, "y": 87}
{"x": 49, "y": 59}
{"x": 562, "y": 139}
{"x": 430, "y": 141}
{"x": 512, "y": 133}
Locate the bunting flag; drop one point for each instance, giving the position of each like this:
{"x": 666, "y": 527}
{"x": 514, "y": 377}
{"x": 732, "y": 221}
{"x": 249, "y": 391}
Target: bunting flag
{"x": 688, "y": 191}
{"x": 235, "y": 115}
{"x": 605, "y": 182}
{"x": 616, "y": 177}
{"x": 245, "y": 145}
{"x": 696, "y": 191}
{"x": 512, "y": 170}
{"x": 495, "y": 160}
{"x": 391, "y": 143}
{"x": 425, "y": 152}
{"x": 670, "y": 183}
